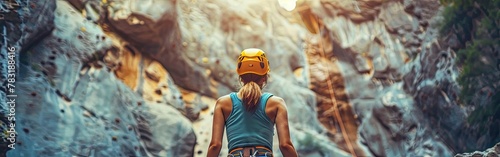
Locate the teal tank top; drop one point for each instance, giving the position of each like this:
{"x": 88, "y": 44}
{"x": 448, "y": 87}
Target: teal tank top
{"x": 246, "y": 128}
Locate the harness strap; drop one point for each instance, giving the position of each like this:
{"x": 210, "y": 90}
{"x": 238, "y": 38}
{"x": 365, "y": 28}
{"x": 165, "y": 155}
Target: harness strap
{"x": 253, "y": 151}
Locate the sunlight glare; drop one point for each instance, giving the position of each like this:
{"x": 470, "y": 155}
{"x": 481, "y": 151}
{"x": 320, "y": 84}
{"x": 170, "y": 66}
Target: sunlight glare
{"x": 288, "y": 5}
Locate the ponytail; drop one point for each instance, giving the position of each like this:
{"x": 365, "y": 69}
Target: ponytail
{"x": 251, "y": 93}
{"x": 251, "y": 90}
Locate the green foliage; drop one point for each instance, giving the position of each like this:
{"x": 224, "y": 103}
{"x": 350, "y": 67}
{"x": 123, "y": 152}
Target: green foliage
{"x": 475, "y": 23}
{"x": 461, "y": 15}
{"x": 485, "y": 119}
{"x": 473, "y": 68}
{"x": 487, "y": 111}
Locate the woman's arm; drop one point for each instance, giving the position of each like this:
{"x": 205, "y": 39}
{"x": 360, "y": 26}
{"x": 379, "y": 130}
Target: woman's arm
{"x": 285, "y": 142}
{"x": 217, "y": 131}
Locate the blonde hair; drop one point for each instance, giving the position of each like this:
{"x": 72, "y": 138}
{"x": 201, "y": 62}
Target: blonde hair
{"x": 252, "y": 89}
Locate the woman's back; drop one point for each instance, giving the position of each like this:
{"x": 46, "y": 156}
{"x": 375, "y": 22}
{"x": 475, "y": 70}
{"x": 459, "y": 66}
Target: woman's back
{"x": 275, "y": 110}
{"x": 249, "y": 128}
{"x": 250, "y": 114}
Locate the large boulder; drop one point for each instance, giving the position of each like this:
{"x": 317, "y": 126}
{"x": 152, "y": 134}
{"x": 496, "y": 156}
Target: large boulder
{"x": 493, "y": 151}
{"x": 165, "y": 131}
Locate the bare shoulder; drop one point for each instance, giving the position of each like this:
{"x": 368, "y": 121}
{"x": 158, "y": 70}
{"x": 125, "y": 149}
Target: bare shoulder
{"x": 276, "y": 101}
{"x": 224, "y": 101}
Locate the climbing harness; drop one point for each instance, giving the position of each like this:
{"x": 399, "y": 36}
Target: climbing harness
{"x": 257, "y": 151}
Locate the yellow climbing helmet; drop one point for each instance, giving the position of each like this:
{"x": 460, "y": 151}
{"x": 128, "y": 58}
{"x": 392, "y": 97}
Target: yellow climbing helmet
{"x": 253, "y": 61}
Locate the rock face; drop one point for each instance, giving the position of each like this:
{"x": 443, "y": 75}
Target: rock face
{"x": 74, "y": 104}
{"x": 493, "y": 152}
{"x": 15, "y": 36}
{"x": 370, "y": 44}
{"x": 140, "y": 78}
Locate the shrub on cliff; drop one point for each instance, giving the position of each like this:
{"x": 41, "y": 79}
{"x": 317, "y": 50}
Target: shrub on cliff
{"x": 475, "y": 24}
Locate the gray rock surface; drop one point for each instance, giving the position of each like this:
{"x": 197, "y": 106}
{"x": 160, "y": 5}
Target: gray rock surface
{"x": 372, "y": 49}
{"x": 490, "y": 152}
{"x": 19, "y": 31}
{"x": 94, "y": 123}
{"x": 166, "y": 131}
{"x": 74, "y": 105}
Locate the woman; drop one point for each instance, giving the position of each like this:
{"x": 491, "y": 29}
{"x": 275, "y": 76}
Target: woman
{"x": 250, "y": 115}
